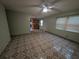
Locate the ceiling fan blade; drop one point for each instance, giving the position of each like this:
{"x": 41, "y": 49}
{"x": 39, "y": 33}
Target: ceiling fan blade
{"x": 56, "y": 9}
{"x": 55, "y": 1}
{"x": 31, "y": 6}
{"x": 42, "y": 1}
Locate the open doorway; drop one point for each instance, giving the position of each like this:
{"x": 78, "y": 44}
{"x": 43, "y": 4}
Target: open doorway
{"x": 34, "y": 24}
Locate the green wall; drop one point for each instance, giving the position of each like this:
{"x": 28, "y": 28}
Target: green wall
{"x": 4, "y": 31}
{"x": 18, "y": 22}
{"x": 51, "y": 26}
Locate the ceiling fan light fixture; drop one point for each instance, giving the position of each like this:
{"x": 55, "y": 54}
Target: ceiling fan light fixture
{"x": 45, "y": 9}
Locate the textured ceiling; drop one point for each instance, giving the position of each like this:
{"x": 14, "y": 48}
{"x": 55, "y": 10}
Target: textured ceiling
{"x": 21, "y": 6}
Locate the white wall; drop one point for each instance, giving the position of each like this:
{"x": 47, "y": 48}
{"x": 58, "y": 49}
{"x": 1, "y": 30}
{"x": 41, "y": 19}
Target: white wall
{"x": 18, "y": 22}
{"x": 4, "y": 31}
{"x": 50, "y": 22}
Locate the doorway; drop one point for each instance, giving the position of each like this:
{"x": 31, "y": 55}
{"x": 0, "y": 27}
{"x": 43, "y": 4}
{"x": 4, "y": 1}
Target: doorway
{"x": 34, "y": 24}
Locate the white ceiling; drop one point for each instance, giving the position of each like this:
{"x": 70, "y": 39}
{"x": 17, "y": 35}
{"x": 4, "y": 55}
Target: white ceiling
{"x": 21, "y": 6}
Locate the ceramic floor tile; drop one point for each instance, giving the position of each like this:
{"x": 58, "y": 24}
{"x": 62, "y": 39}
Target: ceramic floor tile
{"x": 40, "y": 45}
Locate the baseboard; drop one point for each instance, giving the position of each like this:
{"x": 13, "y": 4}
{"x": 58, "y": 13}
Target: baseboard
{"x": 62, "y": 37}
{"x": 8, "y": 43}
{"x": 20, "y": 34}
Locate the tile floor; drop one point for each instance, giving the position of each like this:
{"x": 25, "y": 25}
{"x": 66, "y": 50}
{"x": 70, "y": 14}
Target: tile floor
{"x": 40, "y": 45}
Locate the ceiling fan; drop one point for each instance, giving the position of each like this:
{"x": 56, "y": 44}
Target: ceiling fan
{"x": 49, "y": 5}
{"x": 46, "y": 5}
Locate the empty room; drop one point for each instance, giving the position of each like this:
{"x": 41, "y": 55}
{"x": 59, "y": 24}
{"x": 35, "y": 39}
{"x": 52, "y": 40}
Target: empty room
{"x": 39, "y": 29}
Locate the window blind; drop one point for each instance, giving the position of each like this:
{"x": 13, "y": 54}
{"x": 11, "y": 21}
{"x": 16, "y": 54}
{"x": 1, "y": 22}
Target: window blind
{"x": 70, "y": 23}
{"x": 73, "y": 24}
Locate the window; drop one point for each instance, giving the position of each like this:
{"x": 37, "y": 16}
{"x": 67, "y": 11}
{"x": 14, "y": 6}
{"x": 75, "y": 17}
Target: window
{"x": 73, "y": 24}
{"x": 61, "y": 23}
{"x": 41, "y": 22}
{"x": 70, "y": 23}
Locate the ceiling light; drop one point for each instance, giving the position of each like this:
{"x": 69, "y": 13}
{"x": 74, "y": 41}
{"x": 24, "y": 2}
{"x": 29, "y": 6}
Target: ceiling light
{"x": 45, "y": 9}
